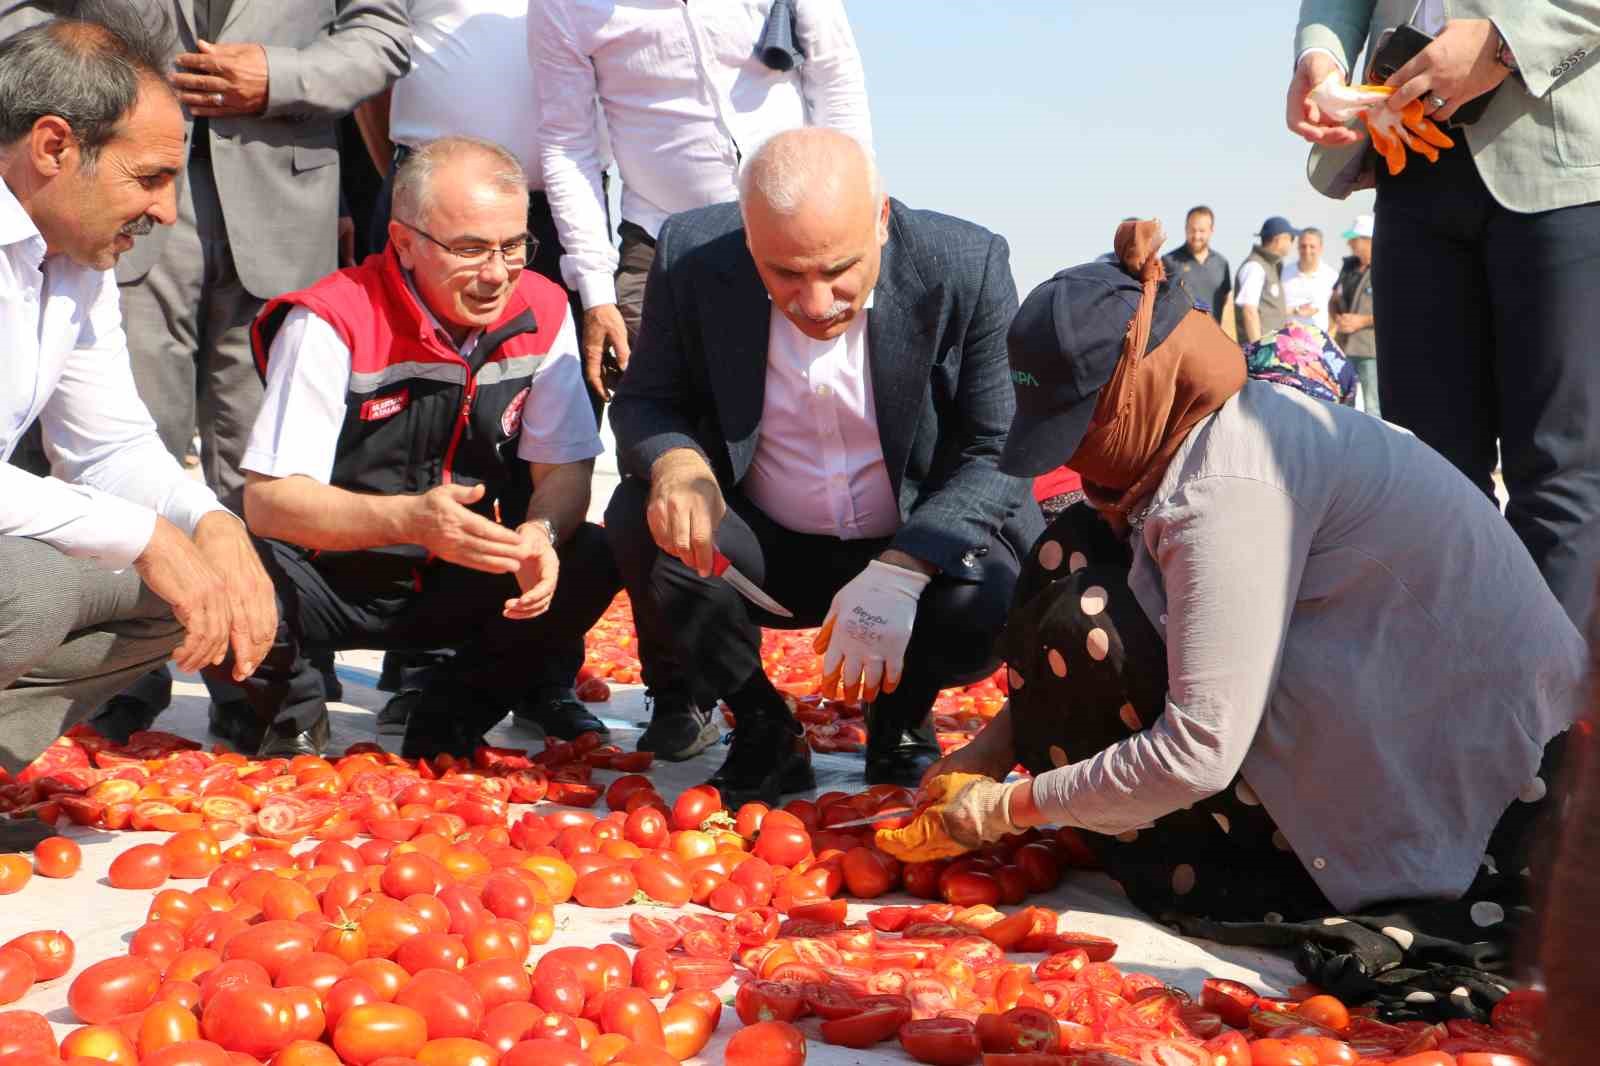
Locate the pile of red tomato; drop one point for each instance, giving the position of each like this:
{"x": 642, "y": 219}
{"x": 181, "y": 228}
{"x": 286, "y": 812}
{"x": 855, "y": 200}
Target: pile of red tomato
{"x": 385, "y": 917}
{"x": 796, "y": 670}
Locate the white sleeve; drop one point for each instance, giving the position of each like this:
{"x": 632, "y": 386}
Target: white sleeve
{"x": 570, "y": 152}
{"x": 831, "y": 77}
{"x": 113, "y": 475}
{"x": 557, "y": 419}
{"x": 302, "y": 412}
{"x": 1249, "y": 283}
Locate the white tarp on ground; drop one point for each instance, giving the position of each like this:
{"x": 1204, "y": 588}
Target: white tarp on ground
{"x": 100, "y": 919}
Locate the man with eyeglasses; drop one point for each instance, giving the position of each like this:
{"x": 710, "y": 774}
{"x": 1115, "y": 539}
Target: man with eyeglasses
{"x": 419, "y": 473}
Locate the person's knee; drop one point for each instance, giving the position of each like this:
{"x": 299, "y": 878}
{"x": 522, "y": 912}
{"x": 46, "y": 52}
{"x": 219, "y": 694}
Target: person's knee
{"x": 38, "y": 603}
{"x": 627, "y": 530}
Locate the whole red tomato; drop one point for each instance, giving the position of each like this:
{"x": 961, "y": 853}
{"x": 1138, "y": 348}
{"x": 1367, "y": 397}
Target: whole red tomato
{"x": 192, "y": 853}
{"x": 57, "y": 857}
{"x": 273, "y": 944}
{"x": 432, "y": 951}
{"x": 17, "y": 974}
{"x": 52, "y": 952}
{"x": 694, "y": 805}
{"x": 499, "y": 981}
{"x": 546, "y": 1052}
{"x": 374, "y": 1031}
{"x": 141, "y": 866}
{"x": 456, "y": 1051}
{"x": 628, "y": 1012}
{"x": 610, "y": 886}
{"x": 113, "y": 987}
{"x": 663, "y": 880}
{"x": 250, "y": 1019}
{"x": 509, "y": 1024}
{"x": 15, "y": 871}
{"x": 447, "y": 1002}
{"x": 187, "y": 1053}
{"x": 766, "y": 1043}
{"x": 783, "y": 840}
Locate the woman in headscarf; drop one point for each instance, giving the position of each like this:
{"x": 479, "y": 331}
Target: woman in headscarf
{"x": 1287, "y": 668}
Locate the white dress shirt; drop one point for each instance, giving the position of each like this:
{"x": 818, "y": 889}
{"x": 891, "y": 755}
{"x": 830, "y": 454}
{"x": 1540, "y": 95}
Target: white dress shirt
{"x": 1315, "y": 288}
{"x": 469, "y": 76}
{"x": 684, "y": 97}
{"x": 819, "y": 466}
{"x": 308, "y": 376}
{"x": 64, "y": 361}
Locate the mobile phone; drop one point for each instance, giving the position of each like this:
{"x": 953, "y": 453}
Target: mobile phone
{"x": 610, "y": 370}
{"x": 1397, "y": 47}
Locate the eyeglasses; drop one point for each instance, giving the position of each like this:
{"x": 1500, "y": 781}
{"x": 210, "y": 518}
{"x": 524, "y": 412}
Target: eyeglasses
{"x": 516, "y": 252}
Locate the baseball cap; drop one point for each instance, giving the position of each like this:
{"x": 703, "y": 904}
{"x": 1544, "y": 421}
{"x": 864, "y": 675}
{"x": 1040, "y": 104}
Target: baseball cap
{"x": 1276, "y": 226}
{"x": 1361, "y": 227}
{"x": 1064, "y": 344}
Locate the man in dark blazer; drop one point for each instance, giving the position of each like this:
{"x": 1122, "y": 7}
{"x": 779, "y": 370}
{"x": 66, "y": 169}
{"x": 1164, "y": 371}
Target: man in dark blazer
{"x": 820, "y": 393}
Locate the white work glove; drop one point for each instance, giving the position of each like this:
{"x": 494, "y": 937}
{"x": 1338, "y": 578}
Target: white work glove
{"x": 864, "y": 638}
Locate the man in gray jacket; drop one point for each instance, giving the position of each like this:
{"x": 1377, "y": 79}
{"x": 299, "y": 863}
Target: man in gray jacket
{"x": 1486, "y": 262}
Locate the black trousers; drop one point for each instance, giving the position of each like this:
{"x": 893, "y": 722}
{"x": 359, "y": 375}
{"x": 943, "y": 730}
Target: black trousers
{"x": 701, "y": 636}
{"x": 336, "y": 602}
{"x": 1487, "y": 320}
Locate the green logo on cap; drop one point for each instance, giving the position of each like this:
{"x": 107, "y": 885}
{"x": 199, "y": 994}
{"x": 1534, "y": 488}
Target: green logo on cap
{"x": 1022, "y": 377}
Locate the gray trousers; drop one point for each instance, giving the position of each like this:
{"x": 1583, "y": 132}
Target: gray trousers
{"x": 188, "y": 324}
{"x": 71, "y": 636}
{"x": 634, "y": 258}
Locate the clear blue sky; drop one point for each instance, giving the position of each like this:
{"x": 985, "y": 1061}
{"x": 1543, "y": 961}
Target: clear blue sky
{"x": 1048, "y": 121}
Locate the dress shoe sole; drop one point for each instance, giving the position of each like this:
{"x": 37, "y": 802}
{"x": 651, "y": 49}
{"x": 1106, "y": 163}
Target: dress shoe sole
{"x": 709, "y": 734}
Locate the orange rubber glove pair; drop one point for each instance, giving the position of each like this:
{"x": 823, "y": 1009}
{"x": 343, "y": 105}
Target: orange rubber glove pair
{"x": 968, "y": 811}
{"x": 1391, "y": 132}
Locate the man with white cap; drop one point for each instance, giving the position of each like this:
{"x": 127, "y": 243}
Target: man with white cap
{"x": 1351, "y": 310}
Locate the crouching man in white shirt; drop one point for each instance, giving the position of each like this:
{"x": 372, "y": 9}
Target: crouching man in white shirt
{"x": 118, "y": 558}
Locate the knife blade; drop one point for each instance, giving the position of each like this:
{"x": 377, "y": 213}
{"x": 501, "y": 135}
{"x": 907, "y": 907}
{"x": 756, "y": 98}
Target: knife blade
{"x": 721, "y": 567}
{"x": 874, "y": 819}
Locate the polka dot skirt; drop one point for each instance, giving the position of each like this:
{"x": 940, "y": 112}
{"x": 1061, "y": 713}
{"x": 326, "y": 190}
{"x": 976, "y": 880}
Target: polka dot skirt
{"x": 1087, "y": 669}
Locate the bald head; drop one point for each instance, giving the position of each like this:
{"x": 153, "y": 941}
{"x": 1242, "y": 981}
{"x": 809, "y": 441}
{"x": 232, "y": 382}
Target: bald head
{"x": 816, "y": 221}
{"x": 798, "y": 166}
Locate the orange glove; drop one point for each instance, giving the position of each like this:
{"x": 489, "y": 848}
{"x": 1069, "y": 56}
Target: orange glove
{"x": 1391, "y": 133}
{"x": 968, "y": 811}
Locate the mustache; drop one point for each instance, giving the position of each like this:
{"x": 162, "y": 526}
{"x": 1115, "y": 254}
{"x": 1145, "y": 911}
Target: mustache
{"x": 839, "y": 307}
{"x": 139, "y": 226}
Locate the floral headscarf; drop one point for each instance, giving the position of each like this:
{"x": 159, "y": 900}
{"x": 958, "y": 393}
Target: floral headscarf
{"x": 1303, "y": 357}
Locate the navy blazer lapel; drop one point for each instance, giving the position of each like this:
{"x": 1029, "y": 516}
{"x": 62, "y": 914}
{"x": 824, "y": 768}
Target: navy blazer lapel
{"x": 734, "y": 330}
{"x": 901, "y": 333}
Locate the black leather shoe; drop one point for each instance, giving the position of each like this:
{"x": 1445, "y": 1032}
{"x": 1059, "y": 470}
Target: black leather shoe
{"x": 235, "y": 722}
{"x": 430, "y": 735}
{"x": 899, "y": 756}
{"x": 123, "y": 716}
{"x": 397, "y": 712}
{"x": 899, "y": 768}
{"x": 769, "y": 757}
{"x": 18, "y": 835}
{"x": 677, "y": 729}
{"x": 283, "y": 745}
{"x": 560, "y": 714}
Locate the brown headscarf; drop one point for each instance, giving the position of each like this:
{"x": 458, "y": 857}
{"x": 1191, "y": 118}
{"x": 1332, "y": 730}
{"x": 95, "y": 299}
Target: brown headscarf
{"x": 1154, "y": 397}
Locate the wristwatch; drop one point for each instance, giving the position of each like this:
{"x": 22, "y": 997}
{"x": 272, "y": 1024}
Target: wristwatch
{"x": 549, "y": 529}
{"x": 1503, "y": 55}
